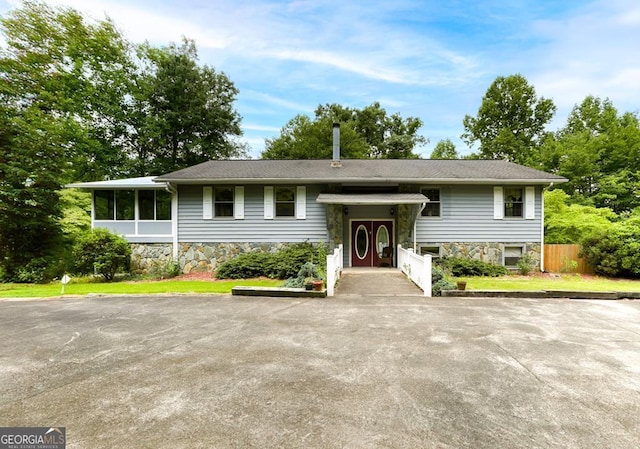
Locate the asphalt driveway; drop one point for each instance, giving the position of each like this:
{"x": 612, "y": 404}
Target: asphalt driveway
{"x": 349, "y": 372}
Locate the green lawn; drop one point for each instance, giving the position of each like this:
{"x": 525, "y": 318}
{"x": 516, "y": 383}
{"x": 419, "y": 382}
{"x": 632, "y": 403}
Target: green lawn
{"x": 571, "y": 282}
{"x": 133, "y": 287}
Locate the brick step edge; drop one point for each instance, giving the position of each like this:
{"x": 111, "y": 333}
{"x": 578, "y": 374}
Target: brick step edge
{"x": 278, "y": 292}
{"x": 539, "y": 294}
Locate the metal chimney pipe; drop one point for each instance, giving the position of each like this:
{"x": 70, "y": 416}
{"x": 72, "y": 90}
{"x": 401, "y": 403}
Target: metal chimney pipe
{"x": 336, "y": 146}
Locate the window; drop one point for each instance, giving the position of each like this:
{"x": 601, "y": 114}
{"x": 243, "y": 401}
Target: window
{"x": 512, "y": 255}
{"x": 103, "y": 204}
{"x": 432, "y": 208}
{"x": 223, "y": 201}
{"x": 154, "y": 205}
{"x": 125, "y": 204}
{"x": 513, "y": 204}
{"x": 146, "y": 204}
{"x": 163, "y": 205}
{"x": 432, "y": 250}
{"x": 285, "y": 201}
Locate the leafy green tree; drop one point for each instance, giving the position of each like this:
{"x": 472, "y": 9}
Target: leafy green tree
{"x": 570, "y": 223}
{"x": 30, "y": 169}
{"x": 511, "y": 121}
{"x": 598, "y": 150}
{"x": 445, "y": 149}
{"x": 58, "y": 65}
{"x": 184, "y": 112}
{"x": 365, "y": 133}
{"x": 302, "y": 138}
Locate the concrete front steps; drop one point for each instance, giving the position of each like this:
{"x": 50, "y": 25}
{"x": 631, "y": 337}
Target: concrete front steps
{"x": 539, "y": 294}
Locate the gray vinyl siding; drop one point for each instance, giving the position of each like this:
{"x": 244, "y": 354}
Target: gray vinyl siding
{"x": 467, "y": 216}
{"x": 253, "y": 228}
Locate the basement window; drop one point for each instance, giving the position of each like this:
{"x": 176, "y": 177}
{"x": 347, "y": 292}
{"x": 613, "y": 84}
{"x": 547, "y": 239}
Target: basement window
{"x": 512, "y": 255}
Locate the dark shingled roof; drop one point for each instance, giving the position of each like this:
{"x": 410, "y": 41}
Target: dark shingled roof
{"x": 360, "y": 170}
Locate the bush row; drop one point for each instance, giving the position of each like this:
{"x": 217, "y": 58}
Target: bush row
{"x": 460, "y": 266}
{"x": 283, "y": 264}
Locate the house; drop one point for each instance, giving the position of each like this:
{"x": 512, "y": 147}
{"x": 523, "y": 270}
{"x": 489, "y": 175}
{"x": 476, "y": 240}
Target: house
{"x": 206, "y": 214}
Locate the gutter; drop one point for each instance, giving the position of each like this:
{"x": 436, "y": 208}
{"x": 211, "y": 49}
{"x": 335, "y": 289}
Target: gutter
{"x": 415, "y": 224}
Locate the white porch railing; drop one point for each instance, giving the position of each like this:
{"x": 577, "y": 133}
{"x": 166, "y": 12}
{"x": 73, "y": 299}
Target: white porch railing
{"x": 334, "y": 269}
{"x": 416, "y": 267}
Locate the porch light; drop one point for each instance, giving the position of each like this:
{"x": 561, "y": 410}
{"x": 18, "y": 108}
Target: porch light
{"x": 392, "y": 210}
{"x": 346, "y": 210}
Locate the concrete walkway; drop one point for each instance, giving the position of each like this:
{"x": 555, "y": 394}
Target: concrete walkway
{"x": 376, "y": 282}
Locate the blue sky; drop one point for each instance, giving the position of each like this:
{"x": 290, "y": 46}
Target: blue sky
{"x": 428, "y": 59}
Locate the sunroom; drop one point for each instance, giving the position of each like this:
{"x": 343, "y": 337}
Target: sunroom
{"x": 137, "y": 208}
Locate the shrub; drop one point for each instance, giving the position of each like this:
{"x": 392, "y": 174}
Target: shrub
{"x": 101, "y": 251}
{"x": 615, "y": 253}
{"x": 461, "y": 266}
{"x": 525, "y": 264}
{"x": 168, "y": 269}
{"x": 308, "y": 271}
{"x": 442, "y": 284}
{"x": 283, "y": 264}
{"x": 248, "y": 265}
{"x": 440, "y": 280}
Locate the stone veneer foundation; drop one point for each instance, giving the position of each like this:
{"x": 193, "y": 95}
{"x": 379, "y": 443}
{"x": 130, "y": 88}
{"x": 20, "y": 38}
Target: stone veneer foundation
{"x": 486, "y": 252}
{"x": 206, "y": 257}
{"x": 150, "y": 257}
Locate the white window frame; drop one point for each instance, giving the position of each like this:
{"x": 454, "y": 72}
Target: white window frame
{"x": 434, "y": 255}
{"x": 528, "y": 203}
{"x": 299, "y": 203}
{"x": 505, "y": 246}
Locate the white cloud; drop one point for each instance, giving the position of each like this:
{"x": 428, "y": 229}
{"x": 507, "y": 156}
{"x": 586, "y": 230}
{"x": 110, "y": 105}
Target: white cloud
{"x": 140, "y": 24}
{"x": 250, "y": 127}
{"x": 594, "y": 52}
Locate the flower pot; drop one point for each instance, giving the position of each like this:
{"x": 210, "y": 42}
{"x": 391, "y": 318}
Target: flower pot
{"x": 317, "y": 285}
{"x": 461, "y": 285}
{"x": 308, "y": 286}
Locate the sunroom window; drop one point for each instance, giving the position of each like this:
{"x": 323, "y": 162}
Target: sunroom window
{"x": 154, "y": 205}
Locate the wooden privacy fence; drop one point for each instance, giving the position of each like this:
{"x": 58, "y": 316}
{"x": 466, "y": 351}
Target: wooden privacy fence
{"x": 564, "y": 259}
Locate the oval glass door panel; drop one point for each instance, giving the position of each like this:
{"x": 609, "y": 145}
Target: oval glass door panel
{"x": 362, "y": 242}
{"x": 382, "y": 238}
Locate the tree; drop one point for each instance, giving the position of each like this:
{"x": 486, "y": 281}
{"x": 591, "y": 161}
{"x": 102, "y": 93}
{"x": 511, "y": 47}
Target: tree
{"x": 302, "y": 138}
{"x": 30, "y": 170}
{"x": 445, "y": 149}
{"x": 184, "y": 113}
{"x": 511, "y": 121}
{"x": 364, "y": 133}
{"x": 570, "y": 223}
{"x": 58, "y": 65}
{"x": 598, "y": 150}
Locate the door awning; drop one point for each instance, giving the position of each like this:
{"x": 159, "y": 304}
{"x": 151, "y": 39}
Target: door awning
{"x": 372, "y": 199}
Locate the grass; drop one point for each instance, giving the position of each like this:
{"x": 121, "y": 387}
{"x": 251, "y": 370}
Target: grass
{"x": 130, "y": 287}
{"x": 572, "y": 282}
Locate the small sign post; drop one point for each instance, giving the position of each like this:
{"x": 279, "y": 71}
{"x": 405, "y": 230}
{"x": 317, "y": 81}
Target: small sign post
{"x": 64, "y": 281}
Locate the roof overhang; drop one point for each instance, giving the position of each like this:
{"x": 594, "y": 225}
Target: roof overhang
{"x": 145, "y": 182}
{"x": 371, "y": 199}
